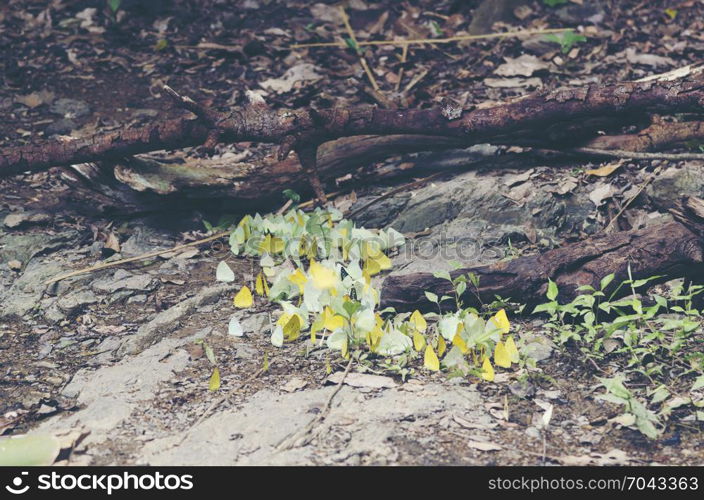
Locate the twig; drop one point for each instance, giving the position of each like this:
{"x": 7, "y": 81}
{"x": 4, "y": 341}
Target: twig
{"x": 393, "y": 191}
{"x": 303, "y": 437}
{"x": 632, "y": 198}
{"x": 404, "y": 56}
{"x": 414, "y": 81}
{"x": 636, "y": 155}
{"x": 362, "y": 59}
{"x": 136, "y": 258}
{"x": 421, "y": 41}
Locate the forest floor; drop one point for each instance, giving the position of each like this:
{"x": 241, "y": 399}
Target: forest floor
{"x": 72, "y": 67}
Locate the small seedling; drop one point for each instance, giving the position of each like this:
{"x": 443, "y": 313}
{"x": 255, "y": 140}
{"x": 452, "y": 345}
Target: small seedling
{"x": 566, "y": 40}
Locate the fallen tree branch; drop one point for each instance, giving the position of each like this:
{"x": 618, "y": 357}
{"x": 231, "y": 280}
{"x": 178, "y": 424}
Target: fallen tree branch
{"x": 672, "y": 250}
{"x": 294, "y": 129}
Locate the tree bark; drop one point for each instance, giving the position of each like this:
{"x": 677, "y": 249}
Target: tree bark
{"x": 673, "y": 250}
{"x": 502, "y": 124}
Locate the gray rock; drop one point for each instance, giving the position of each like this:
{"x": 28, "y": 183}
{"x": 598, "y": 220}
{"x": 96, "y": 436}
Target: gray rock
{"x": 143, "y": 240}
{"x": 347, "y": 435}
{"x": 257, "y": 323}
{"x": 70, "y": 108}
{"x": 166, "y": 321}
{"x": 591, "y": 11}
{"x": 522, "y": 389}
{"x": 137, "y": 299}
{"x": 61, "y": 127}
{"x": 673, "y": 182}
{"x": 123, "y": 280}
{"x": 25, "y": 292}
{"x": 76, "y": 301}
{"x": 16, "y": 220}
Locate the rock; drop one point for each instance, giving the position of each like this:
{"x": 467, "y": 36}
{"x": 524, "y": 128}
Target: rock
{"x": 137, "y": 299}
{"x": 15, "y": 265}
{"x": 590, "y": 11}
{"x": 347, "y": 435}
{"x": 257, "y": 323}
{"x": 25, "y": 292}
{"x": 63, "y": 126}
{"x": 70, "y": 108}
{"x": 533, "y": 432}
{"x": 76, "y": 301}
{"x": 167, "y": 320}
{"x": 14, "y": 221}
{"x": 672, "y": 183}
{"x": 144, "y": 239}
{"x": 24, "y": 247}
{"x": 123, "y": 280}
{"x": 522, "y": 389}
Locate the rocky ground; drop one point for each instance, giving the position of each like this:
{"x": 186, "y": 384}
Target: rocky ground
{"x": 109, "y": 360}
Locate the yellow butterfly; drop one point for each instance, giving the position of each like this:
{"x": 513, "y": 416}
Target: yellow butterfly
{"x": 430, "y": 360}
{"x": 244, "y": 298}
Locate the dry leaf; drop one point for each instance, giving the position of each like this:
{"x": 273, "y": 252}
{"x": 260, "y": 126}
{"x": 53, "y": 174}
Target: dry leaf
{"x": 524, "y": 65}
{"x": 35, "y": 99}
{"x": 606, "y": 170}
{"x": 483, "y": 446}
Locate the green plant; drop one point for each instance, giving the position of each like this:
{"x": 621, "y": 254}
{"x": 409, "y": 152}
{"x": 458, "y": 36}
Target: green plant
{"x": 113, "y": 8}
{"x": 566, "y": 40}
{"x": 318, "y": 268}
{"x": 652, "y": 343}
{"x": 554, "y": 3}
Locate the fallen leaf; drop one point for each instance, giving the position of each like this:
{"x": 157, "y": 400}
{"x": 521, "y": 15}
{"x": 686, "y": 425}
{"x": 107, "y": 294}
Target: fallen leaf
{"x": 113, "y": 243}
{"x": 601, "y": 193}
{"x": 35, "y": 99}
{"x": 606, "y": 170}
{"x": 483, "y": 446}
{"x": 524, "y": 65}
{"x": 652, "y": 60}
{"x": 304, "y": 72}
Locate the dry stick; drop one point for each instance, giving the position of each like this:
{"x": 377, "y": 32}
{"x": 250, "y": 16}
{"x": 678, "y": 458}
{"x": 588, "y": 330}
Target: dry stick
{"x": 404, "y": 56}
{"x": 632, "y": 198}
{"x": 136, "y": 258}
{"x": 148, "y": 255}
{"x": 362, "y": 59}
{"x": 635, "y": 155}
{"x": 421, "y": 41}
{"x": 303, "y": 436}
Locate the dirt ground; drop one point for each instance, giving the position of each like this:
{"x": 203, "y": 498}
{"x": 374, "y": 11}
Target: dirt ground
{"x": 108, "y": 359}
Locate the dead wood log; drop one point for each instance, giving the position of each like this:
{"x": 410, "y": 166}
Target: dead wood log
{"x": 294, "y": 129}
{"x": 670, "y": 250}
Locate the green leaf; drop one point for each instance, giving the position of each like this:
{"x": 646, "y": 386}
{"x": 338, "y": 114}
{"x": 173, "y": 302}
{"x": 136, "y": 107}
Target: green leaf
{"x": 352, "y": 45}
{"x": 114, "y": 5}
{"x": 292, "y": 195}
{"x": 552, "y": 290}
{"x": 351, "y": 308}
{"x": 606, "y": 280}
{"x": 443, "y": 275}
{"x": 431, "y": 297}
